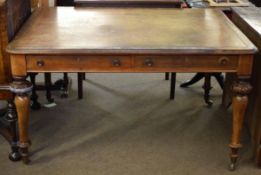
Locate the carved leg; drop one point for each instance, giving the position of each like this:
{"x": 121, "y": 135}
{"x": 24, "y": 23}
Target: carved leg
{"x": 65, "y": 86}
{"x": 241, "y": 90}
{"x": 207, "y": 87}
{"x": 21, "y": 87}
{"x": 48, "y": 86}
{"x": 80, "y": 85}
{"x": 195, "y": 79}
{"x": 12, "y": 119}
{"x": 172, "y": 86}
{"x": 166, "y": 76}
{"x": 35, "y": 105}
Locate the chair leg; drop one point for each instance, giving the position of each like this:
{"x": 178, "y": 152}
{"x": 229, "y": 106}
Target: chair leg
{"x": 12, "y": 119}
{"x": 172, "y": 85}
{"x": 167, "y": 76}
{"x": 48, "y": 86}
{"x": 84, "y": 76}
{"x": 35, "y": 105}
{"x": 207, "y": 87}
{"x": 192, "y": 81}
{"x": 80, "y": 85}
{"x": 65, "y": 86}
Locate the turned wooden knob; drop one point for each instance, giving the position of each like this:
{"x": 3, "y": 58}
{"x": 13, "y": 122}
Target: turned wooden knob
{"x": 116, "y": 62}
{"x": 40, "y": 63}
{"x": 223, "y": 60}
{"x": 149, "y": 62}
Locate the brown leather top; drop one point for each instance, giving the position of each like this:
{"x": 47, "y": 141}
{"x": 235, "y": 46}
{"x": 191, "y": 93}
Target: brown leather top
{"x": 68, "y": 30}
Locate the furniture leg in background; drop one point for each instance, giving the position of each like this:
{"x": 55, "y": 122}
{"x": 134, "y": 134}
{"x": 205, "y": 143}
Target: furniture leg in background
{"x": 172, "y": 85}
{"x": 48, "y": 86}
{"x": 207, "y": 83}
{"x": 207, "y": 87}
{"x": 35, "y": 105}
{"x": 8, "y": 129}
{"x": 167, "y": 76}
{"x": 11, "y": 117}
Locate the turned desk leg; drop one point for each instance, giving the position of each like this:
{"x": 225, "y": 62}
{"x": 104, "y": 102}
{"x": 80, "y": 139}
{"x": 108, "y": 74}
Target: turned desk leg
{"x": 241, "y": 89}
{"x": 22, "y": 101}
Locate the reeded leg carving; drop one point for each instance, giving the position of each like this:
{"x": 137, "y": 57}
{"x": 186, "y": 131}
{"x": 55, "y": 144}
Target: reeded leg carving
{"x": 241, "y": 90}
{"x": 207, "y": 87}
{"x": 21, "y": 87}
{"x": 12, "y": 119}
{"x": 35, "y": 105}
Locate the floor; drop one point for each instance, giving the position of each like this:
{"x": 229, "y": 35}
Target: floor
{"x": 125, "y": 125}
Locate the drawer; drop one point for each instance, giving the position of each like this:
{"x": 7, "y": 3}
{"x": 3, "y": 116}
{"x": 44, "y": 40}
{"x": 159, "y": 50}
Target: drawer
{"x": 78, "y": 63}
{"x": 185, "y": 63}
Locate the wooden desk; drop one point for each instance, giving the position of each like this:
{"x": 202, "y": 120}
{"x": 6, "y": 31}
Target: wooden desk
{"x": 249, "y": 21}
{"x": 129, "y": 3}
{"x": 130, "y": 40}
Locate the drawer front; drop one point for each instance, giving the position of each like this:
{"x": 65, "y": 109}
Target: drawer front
{"x": 185, "y": 63}
{"x": 78, "y": 63}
